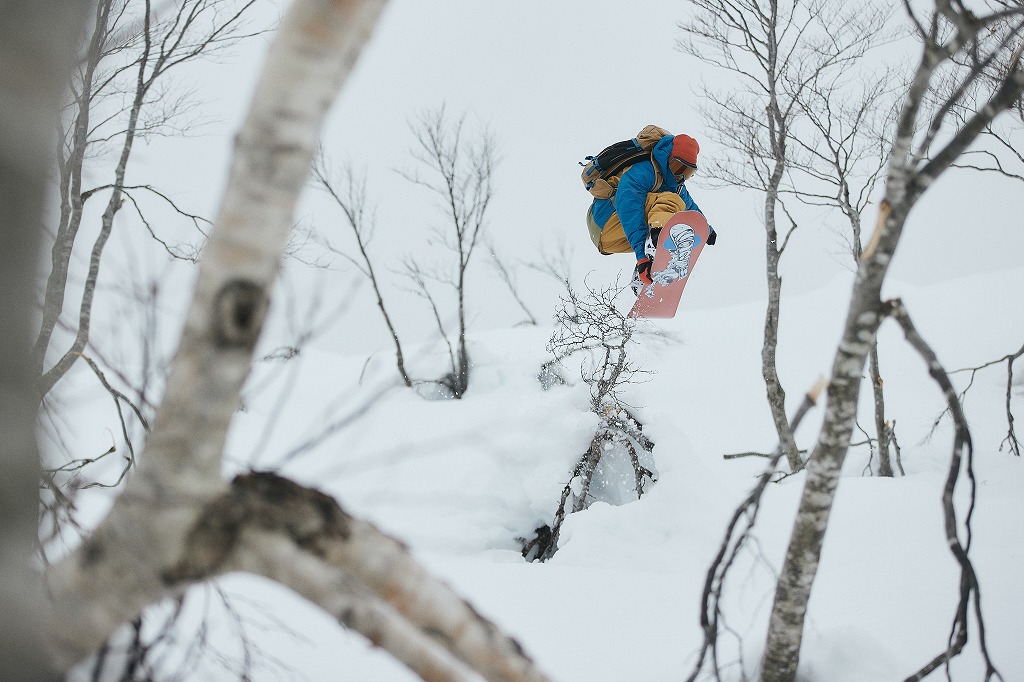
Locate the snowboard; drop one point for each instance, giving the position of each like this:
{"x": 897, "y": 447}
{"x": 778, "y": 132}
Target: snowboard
{"x": 679, "y": 245}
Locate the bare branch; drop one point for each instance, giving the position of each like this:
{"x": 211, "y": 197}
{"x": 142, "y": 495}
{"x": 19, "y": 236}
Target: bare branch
{"x": 962, "y": 458}
{"x": 508, "y": 278}
{"x": 1011, "y": 439}
{"x": 711, "y": 617}
{"x": 352, "y": 203}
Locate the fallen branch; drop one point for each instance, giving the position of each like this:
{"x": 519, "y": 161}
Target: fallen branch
{"x": 302, "y": 538}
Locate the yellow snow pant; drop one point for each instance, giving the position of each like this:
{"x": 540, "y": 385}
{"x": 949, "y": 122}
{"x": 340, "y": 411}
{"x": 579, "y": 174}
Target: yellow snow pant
{"x": 660, "y": 206}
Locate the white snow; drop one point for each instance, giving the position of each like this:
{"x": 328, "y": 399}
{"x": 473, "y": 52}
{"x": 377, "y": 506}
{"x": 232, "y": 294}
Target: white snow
{"x": 459, "y": 481}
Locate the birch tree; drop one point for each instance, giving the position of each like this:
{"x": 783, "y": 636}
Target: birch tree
{"x": 958, "y": 44}
{"x": 177, "y": 523}
{"x": 349, "y": 195}
{"x": 775, "y": 48}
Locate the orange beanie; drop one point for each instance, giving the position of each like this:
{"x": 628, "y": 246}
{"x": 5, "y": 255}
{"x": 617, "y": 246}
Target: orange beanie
{"x": 685, "y": 148}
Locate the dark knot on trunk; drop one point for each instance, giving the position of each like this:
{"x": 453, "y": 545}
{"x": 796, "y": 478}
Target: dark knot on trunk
{"x": 239, "y": 310}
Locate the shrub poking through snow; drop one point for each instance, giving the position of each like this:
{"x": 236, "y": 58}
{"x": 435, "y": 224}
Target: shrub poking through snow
{"x": 617, "y": 465}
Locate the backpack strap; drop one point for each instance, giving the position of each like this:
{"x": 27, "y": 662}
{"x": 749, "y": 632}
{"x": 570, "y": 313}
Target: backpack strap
{"x": 659, "y": 178}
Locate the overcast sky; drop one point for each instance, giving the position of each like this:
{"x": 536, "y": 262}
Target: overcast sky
{"x": 555, "y": 82}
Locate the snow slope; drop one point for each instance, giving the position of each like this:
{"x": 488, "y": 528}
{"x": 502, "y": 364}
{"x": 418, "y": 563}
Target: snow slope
{"x": 461, "y": 480}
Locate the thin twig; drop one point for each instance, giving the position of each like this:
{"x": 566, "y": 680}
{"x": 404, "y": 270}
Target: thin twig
{"x": 714, "y": 585}
{"x": 962, "y": 458}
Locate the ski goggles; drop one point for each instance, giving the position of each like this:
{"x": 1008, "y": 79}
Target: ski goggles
{"x": 681, "y": 169}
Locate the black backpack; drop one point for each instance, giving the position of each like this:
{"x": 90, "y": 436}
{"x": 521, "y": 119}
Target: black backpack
{"x": 601, "y": 172}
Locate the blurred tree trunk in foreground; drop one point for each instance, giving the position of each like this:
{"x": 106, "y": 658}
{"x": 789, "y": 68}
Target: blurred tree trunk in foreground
{"x": 177, "y": 522}
{"x": 37, "y": 43}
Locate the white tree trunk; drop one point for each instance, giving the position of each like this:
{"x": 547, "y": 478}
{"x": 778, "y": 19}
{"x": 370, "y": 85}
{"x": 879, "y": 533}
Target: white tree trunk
{"x": 910, "y": 173}
{"x": 302, "y": 538}
{"x": 119, "y": 569}
{"x": 177, "y": 522}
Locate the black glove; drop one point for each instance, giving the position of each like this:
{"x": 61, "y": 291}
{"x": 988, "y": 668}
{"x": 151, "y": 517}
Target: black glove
{"x": 643, "y": 270}
{"x": 712, "y": 237}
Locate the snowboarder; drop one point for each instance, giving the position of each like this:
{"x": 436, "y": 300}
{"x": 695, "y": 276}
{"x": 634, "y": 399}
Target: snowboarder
{"x": 648, "y": 193}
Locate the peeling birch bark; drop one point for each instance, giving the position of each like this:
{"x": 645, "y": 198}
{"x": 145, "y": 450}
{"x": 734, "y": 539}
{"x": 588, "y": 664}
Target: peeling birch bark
{"x": 303, "y": 539}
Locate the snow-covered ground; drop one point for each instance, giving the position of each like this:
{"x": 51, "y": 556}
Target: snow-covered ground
{"x": 460, "y": 480}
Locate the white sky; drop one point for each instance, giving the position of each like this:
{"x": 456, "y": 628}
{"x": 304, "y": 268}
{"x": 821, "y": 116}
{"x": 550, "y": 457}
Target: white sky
{"x": 555, "y": 82}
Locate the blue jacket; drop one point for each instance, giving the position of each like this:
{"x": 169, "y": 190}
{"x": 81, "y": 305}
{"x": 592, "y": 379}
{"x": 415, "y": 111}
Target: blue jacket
{"x": 631, "y": 196}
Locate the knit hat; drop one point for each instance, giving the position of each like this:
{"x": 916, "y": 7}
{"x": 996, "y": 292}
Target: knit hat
{"x": 685, "y": 148}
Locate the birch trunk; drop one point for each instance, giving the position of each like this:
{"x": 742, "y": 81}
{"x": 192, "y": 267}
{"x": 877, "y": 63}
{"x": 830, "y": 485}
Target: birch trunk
{"x": 770, "y": 343}
{"x": 909, "y": 175}
{"x": 121, "y": 568}
{"x": 178, "y": 523}
{"x": 881, "y": 428}
{"x": 778, "y": 133}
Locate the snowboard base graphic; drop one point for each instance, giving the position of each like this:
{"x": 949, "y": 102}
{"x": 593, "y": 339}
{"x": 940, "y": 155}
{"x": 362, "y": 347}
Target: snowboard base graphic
{"x": 679, "y": 245}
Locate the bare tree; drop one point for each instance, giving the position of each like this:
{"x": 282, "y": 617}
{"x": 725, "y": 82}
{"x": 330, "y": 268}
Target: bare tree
{"x": 119, "y": 96}
{"x": 775, "y": 48}
{"x": 923, "y": 147}
{"x": 590, "y": 326}
{"x": 167, "y": 647}
{"x": 352, "y": 200}
{"x": 459, "y": 171}
{"x": 838, "y": 163}
{"x": 177, "y": 522}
